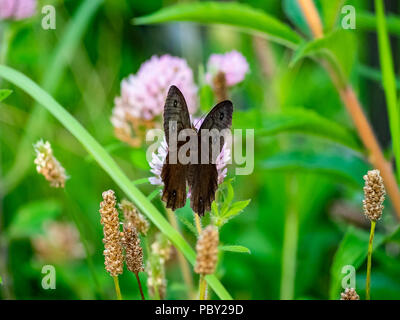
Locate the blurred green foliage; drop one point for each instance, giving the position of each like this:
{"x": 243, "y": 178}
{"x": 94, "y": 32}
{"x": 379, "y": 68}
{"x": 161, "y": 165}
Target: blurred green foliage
{"x": 308, "y": 158}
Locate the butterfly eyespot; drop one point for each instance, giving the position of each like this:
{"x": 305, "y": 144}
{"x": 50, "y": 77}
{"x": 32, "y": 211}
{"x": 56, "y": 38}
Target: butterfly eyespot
{"x": 175, "y": 103}
{"x": 221, "y": 116}
{"x": 174, "y": 193}
{"x": 201, "y": 200}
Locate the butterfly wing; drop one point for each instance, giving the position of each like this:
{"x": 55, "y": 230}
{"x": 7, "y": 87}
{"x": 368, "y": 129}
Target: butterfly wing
{"x": 174, "y": 176}
{"x": 203, "y": 178}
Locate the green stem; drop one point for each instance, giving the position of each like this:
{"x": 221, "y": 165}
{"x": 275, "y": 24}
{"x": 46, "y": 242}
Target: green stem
{"x": 117, "y": 289}
{"x": 368, "y": 282}
{"x": 389, "y": 81}
{"x": 202, "y": 288}
{"x": 289, "y": 252}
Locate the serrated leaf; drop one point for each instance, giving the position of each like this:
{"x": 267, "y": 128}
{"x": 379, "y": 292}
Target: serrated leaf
{"x": 29, "y": 219}
{"x": 235, "y": 248}
{"x": 352, "y": 251}
{"x": 330, "y": 47}
{"x": 4, "y": 93}
{"x": 238, "y": 15}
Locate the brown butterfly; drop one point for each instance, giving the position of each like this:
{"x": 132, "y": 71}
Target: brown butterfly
{"x": 202, "y": 179}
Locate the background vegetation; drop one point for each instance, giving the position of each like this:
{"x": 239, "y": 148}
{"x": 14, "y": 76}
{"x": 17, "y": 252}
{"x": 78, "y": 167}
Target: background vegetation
{"x": 304, "y": 221}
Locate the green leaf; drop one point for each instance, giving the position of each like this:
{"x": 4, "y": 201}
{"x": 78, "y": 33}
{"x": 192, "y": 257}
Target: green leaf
{"x": 389, "y": 81}
{"x": 367, "y": 21}
{"x": 225, "y": 191}
{"x": 140, "y": 181}
{"x": 373, "y": 74}
{"x": 352, "y": 251}
{"x": 331, "y": 11}
{"x": 28, "y": 220}
{"x": 293, "y": 12}
{"x": 309, "y": 122}
{"x": 239, "y": 249}
{"x": 237, "y": 15}
{"x": 395, "y": 235}
{"x": 110, "y": 167}
{"x": 236, "y": 208}
{"x": 349, "y": 167}
{"x": 153, "y": 194}
{"x": 188, "y": 224}
{"x": 330, "y": 48}
{"x": 4, "y": 93}
{"x": 214, "y": 208}
{"x": 138, "y": 157}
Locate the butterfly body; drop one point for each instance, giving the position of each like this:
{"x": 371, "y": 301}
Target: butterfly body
{"x": 200, "y": 176}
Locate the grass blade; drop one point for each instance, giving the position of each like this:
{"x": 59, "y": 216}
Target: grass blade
{"x": 237, "y": 15}
{"x": 389, "y": 81}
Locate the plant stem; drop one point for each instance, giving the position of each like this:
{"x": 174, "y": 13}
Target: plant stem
{"x": 369, "y": 140}
{"x": 140, "y": 286}
{"x": 202, "y": 288}
{"x": 203, "y": 283}
{"x": 355, "y": 110}
{"x": 289, "y": 250}
{"x": 187, "y": 276}
{"x": 117, "y": 289}
{"x": 368, "y": 282}
{"x": 389, "y": 81}
{"x": 312, "y": 17}
{"x": 198, "y": 223}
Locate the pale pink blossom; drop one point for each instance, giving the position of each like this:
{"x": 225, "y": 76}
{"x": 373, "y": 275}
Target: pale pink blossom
{"x": 143, "y": 94}
{"x": 233, "y": 64}
{"x": 17, "y": 9}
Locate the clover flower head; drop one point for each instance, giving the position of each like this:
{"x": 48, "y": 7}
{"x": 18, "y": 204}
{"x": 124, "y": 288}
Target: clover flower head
{"x": 143, "y": 94}
{"x": 17, "y": 9}
{"x": 232, "y": 65}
